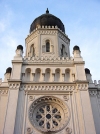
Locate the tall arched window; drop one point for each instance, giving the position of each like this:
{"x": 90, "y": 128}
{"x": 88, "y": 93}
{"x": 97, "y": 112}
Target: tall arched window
{"x": 32, "y": 50}
{"x": 67, "y": 75}
{"x": 57, "y": 74}
{"x": 62, "y": 50}
{"x": 28, "y": 74}
{"x": 47, "y": 46}
{"x": 37, "y": 74}
{"x": 47, "y": 74}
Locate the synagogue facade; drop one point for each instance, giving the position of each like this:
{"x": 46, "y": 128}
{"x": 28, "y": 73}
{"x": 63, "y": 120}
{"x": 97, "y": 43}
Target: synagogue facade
{"x": 48, "y": 91}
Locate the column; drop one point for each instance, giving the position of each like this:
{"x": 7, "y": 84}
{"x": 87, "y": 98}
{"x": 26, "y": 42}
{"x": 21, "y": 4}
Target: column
{"x": 63, "y": 76}
{"x": 43, "y": 76}
{"x": 53, "y": 77}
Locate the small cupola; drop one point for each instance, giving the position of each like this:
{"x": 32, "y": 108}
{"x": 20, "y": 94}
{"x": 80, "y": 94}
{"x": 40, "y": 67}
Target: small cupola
{"x": 19, "y": 51}
{"x": 76, "y": 48}
{"x": 20, "y": 47}
{"x": 88, "y": 75}
{"x": 7, "y": 74}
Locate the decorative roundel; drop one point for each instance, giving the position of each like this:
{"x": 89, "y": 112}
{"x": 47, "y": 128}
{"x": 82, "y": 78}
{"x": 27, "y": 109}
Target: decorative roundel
{"x": 49, "y": 114}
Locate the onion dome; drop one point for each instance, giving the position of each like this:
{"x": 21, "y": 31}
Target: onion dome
{"x": 47, "y": 19}
{"x": 8, "y": 70}
{"x": 20, "y": 47}
{"x": 87, "y": 71}
{"x": 76, "y": 48}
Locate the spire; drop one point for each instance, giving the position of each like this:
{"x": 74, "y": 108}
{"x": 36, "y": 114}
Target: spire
{"x": 47, "y": 11}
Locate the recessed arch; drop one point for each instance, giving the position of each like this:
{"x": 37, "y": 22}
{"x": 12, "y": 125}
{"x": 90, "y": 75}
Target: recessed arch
{"x": 28, "y": 74}
{"x": 31, "y": 51}
{"x": 67, "y": 75}
{"x": 47, "y": 74}
{"x": 47, "y": 45}
{"x": 47, "y": 42}
{"x": 37, "y": 74}
{"x": 57, "y": 74}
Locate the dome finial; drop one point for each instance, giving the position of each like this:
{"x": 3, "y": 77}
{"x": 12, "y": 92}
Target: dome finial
{"x": 47, "y": 11}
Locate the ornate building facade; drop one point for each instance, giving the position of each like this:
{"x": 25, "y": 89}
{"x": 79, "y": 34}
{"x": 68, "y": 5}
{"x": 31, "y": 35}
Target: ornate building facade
{"x": 47, "y": 91}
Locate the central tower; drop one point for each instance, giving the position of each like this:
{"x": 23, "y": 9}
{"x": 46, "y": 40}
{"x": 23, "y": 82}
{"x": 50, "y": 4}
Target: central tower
{"x": 47, "y": 38}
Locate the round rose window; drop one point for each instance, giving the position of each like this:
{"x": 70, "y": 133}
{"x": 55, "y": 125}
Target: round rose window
{"x": 49, "y": 114}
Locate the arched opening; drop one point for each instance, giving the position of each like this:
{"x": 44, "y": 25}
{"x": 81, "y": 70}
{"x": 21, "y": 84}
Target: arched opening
{"x": 62, "y": 50}
{"x": 47, "y": 46}
{"x": 67, "y": 75}
{"x": 32, "y": 50}
{"x": 37, "y": 74}
{"x": 47, "y": 74}
{"x": 28, "y": 74}
{"x": 57, "y": 74}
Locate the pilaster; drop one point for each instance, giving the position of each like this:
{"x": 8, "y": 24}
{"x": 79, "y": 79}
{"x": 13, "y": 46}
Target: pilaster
{"x": 89, "y": 127}
{"x": 11, "y": 107}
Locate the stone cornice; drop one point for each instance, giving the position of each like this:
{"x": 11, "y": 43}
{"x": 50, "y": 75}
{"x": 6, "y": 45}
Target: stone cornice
{"x": 53, "y": 87}
{"x": 47, "y": 87}
{"x": 50, "y": 60}
{"x": 17, "y": 61}
{"x": 4, "y": 85}
{"x": 79, "y": 62}
{"x": 14, "y": 80}
{"x": 47, "y": 31}
{"x": 49, "y": 83}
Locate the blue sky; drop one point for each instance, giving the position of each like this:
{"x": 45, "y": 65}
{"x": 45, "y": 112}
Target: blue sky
{"x": 80, "y": 17}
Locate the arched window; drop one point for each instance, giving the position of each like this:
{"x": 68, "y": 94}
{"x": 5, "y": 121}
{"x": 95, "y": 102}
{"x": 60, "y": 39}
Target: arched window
{"x": 57, "y": 74}
{"x": 47, "y": 74}
{"x": 47, "y": 46}
{"x": 67, "y": 75}
{"x": 37, "y": 74}
{"x": 28, "y": 74}
{"x": 62, "y": 50}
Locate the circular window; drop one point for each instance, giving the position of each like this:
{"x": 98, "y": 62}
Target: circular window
{"x": 49, "y": 114}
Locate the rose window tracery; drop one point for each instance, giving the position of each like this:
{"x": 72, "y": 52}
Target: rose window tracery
{"x": 49, "y": 114}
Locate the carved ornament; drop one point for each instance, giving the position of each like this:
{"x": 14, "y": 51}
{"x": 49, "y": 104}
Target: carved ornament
{"x": 47, "y": 88}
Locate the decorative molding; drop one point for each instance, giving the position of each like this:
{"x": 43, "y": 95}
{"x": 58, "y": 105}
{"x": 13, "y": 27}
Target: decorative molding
{"x": 48, "y": 31}
{"x": 14, "y": 85}
{"x": 63, "y": 37}
{"x": 46, "y": 88}
{"x": 49, "y": 59}
{"x": 3, "y": 92}
{"x": 31, "y": 97}
{"x": 68, "y": 130}
{"x": 31, "y": 36}
{"x": 93, "y": 93}
{"x": 66, "y": 97}
{"x": 82, "y": 86}
{"x": 29, "y": 130}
